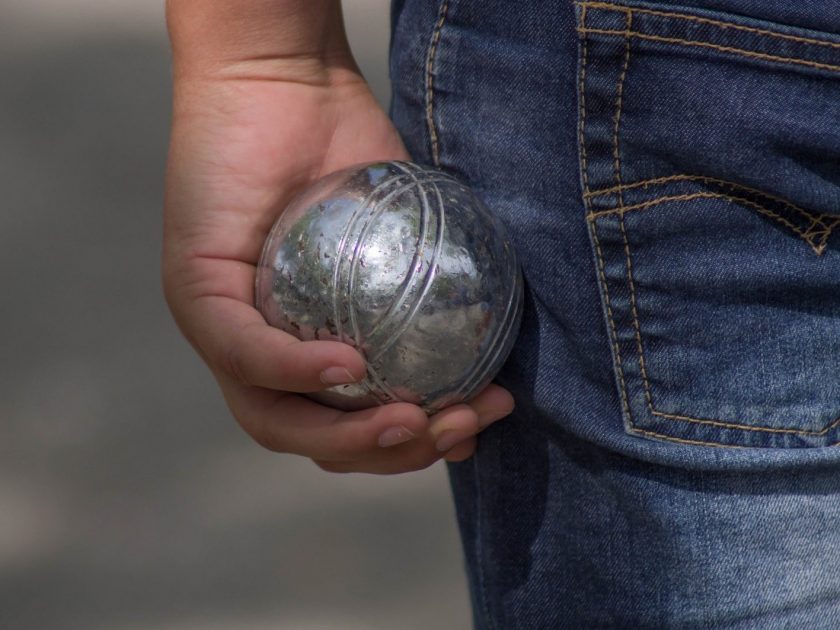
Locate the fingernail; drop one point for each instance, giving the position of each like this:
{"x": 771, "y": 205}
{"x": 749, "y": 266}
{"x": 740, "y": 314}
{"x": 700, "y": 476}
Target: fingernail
{"x": 394, "y": 436}
{"x": 337, "y": 376}
{"x": 492, "y": 415}
{"x": 448, "y": 439}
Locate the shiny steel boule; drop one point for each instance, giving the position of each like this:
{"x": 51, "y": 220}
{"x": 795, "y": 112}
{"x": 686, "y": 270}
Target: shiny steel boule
{"x": 406, "y": 264}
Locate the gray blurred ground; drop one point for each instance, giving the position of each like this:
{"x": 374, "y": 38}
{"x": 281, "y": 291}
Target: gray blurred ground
{"x": 128, "y": 497}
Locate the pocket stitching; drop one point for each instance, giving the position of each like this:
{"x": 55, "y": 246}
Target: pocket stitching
{"x": 594, "y": 229}
{"x": 582, "y": 115}
{"x": 619, "y": 186}
{"x": 722, "y": 24}
{"x": 619, "y": 90}
{"x": 434, "y": 140}
{"x": 806, "y": 235}
{"x": 592, "y": 217}
{"x": 669, "y": 438}
{"x": 727, "y": 49}
{"x": 817, "y": 220}
{"x": 642, "y": 363}
{"x": 706, "y": 179}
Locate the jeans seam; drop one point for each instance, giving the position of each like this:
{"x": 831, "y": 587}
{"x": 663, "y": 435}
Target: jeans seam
{"x": 726, "y": 49}
{"x": 806, "y": 235}
{"x": 820, "y": 225}
{"x": 644, "y": 183}
{"x": 619, "y": 91}
{"x": 617, "y": 363}
{"x": 479, "y": 557}
{"x": 669, "y": 438}
{"x": 611, "y": 318}
{"x": 727, "y": 25}
{"x": 582, "y": 115}
{"x": 619, "y": 187}
{"x": 727, "y": 425}
{"x": 434, "y": 140}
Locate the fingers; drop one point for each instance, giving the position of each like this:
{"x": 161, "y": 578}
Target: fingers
{"x": 451, "y": 435}
{"x": 293, "y": 424}
{"x": 491, "y": 404}
{"x": 235, "y": 340}
{"x": 462, "y": 451}
{"x": 257, "y": 366}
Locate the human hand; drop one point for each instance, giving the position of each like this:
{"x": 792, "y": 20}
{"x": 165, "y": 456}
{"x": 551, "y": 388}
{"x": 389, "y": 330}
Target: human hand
{"x": 248, "y": 132}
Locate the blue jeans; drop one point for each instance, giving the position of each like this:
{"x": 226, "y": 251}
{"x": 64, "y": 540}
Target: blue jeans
{"x": 670, "y": 174}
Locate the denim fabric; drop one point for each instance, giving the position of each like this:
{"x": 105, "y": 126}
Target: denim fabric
{"x": 670, "y": 175}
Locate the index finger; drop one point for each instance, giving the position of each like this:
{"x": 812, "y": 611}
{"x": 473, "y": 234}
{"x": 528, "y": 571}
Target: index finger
{"x": 232, "y": 336}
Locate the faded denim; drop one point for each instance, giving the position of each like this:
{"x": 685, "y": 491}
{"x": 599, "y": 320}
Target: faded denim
{"x": 670, "y": 175}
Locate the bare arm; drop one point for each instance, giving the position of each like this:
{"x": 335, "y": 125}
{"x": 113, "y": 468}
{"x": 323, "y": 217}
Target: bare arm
{"x": 297, "y": 39}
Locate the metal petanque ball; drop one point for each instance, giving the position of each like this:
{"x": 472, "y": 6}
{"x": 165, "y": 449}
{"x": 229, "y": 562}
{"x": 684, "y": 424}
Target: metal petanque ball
{"x": 404, "y": 263}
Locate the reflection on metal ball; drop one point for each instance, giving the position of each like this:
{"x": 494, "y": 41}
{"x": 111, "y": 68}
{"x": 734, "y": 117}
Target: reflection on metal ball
{"x": 406, "y": 264}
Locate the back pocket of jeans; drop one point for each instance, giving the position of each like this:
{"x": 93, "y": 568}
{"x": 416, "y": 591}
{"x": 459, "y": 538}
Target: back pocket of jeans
{"x": 710, "y": 162}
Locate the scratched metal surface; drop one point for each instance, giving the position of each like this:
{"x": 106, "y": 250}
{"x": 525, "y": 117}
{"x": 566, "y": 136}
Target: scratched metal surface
{"x": 405, "y": 263}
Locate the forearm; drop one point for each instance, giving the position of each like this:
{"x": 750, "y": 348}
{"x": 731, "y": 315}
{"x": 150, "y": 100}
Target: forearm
{"x": 293, "y": 35}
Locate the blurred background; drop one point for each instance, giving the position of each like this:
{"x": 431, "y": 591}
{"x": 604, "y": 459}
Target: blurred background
{"x": 128, "y": 496}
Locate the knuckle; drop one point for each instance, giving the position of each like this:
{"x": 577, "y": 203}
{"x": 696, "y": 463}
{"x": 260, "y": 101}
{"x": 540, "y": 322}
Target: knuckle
{"x": 233, "y": 365}
{"x": 347, "y": 451}
{"x": 269, "y": 440}
{"x": 351, "y": 442}
{"x": 235, "y": 356}
{"x": 422, "y": 460}
{"x": 471, "y": 422}
{"x": 459, "y": 454}
{"x": 266, "y": 442}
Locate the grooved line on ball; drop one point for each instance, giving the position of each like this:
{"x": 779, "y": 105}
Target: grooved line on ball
{"x": 479, "y": 373}
{"x": 377, "y": 211}
{"x": 373, "y": 375}
{"x": 407, "y": 284}
{"x": 382, "y": 392}
{"x": 342, "y": 246}
{"x": 430, "y": 82}
{"x": 430, "y": 272}
{"x": 259, "y": 296}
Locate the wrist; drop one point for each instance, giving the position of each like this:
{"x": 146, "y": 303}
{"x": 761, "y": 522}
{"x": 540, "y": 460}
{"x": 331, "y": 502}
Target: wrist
{"x": 294, "y": 40}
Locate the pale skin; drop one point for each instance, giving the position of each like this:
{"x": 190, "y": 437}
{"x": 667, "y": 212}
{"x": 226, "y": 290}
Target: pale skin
{"x": 267, "y": 99}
